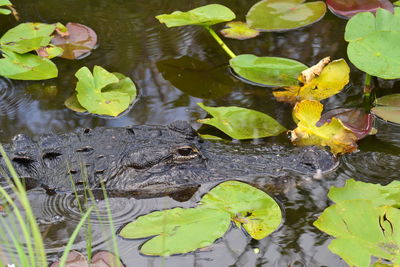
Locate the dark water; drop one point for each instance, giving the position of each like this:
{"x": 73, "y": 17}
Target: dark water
{"x": 134, "y": 43}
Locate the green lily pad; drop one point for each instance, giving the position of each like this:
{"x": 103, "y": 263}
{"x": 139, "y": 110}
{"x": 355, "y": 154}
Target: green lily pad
{"x": 49, "y": 51}
{"x": 242, "y": 123}
{"x": 27, "y": 37}
{"x": 73, "y": 104}
{"x": 388, "y": 108}
{"x": 371, "y": 41}
{"x": 362, "y": 230}
{"x": 205, "y": 16}
{"x": 397, "y": 3}
{"x": 239, "y": 30}
{"x": 282, "y": 15}
{"x": 104, "y": 93}
{"x": 5, "y": 11}
{"x": 269, "y": 71}
{"x": 389, "y": 100}
{"x": 26, "y": 66}
{"x": 248, "y": 206}
{"x": 196, "y": 78}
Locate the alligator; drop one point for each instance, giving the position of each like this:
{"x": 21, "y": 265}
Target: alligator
{"x": 151, "y": 158}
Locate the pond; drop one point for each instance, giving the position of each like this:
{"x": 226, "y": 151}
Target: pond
{"x": 133, "y": 42}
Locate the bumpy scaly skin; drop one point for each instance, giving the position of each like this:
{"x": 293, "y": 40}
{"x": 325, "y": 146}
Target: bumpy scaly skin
{"x": 155, "y": 158}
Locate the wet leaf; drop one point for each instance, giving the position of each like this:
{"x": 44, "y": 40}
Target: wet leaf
{"x": 356, "y": 120}
{"x": 49, "y": 51}
{"x": 27, "y": 37}
{"x": 239, "y": 30}
{"x": 73, "y": 104}
{"x": 248, "y": 206}
{"x": 388, "y": 195}
{"x": 100, "y": 259}
{"x": 241, "y": 123}
{"x": 271, "y": 71}
{"x": 331, "y": 80}
{"x": 282, "y": 15}
{"x": 4, "y": 11}
{"x": 334, "y": 134}
{"x": 388, "y": 108}
{"x": 26, "y": 66}
{"x": 74, "y": 259}
{"x": 77, "y": 43}
{"x": 6, "y": 3}
{"x": 371, "y": 41}
{"x": 397, "y": 3}
{"x": 349, "y": 8}
{"x": 104, "y": 93}
{"x": 362, "y": 230}
{"x": 195, "y": 77}
{"x": 178, "y": 230}
{"x": 206, "y": 16}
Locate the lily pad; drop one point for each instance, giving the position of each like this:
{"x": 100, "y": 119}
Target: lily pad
{"x": 196, "y": 78}
{"x": 333, "y": 134}
{"x": 100, "y": 259}
{"x": 283, "y": 15}
{"x": 371, "y": 41}
{"x": 269, "y": 71}
{"x": 205, "y": 16}
{"x": 349, "y": 8}
{"x": 27, "y": 37}
{"x": 239, "y": 30}
{"x": 104, "y": 93}
{"x": 242, "y": 123}
{"x": 249, "y": 207}
{"x": 362, "y": 230}
{"x": 26, "y": 66}
{"x": 77, "y": 43}
{"x": 49, "y": 51}
{"x": 73, "y": 104}
{"x": 388, "y": 108}
{"x": 330, "y": 81}
{"x": 5, "y": 11}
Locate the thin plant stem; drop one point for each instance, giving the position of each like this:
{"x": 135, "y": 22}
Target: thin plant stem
{"x": 220, "y": 42}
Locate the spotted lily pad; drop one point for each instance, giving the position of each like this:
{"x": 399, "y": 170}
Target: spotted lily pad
{"x": 349, "y": 8}
{"x": 371, "y": 41}
{"x": 49, "y": 51}
{"x": 205, "y": 16}
{"x": 388, "y": 108}
{"x": 104, "y": 93}
{"x": 282, "y": 15}
{"x": 239, "y": 30}
{"x": 242, "y": 123}
{"x": 267, "y": 71}
{"x": 6, "y": 3}
{"x": 77, "y": 43}
{"x": 333, "y": 134}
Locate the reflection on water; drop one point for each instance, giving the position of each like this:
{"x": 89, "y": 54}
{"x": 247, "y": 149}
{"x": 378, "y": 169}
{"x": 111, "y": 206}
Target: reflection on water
{"x": 132, "y": 42}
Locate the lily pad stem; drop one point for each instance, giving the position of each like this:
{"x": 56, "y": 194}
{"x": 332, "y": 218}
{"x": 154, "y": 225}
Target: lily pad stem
{"x": 367, "y": 87}
{"x": 220, "y": 42}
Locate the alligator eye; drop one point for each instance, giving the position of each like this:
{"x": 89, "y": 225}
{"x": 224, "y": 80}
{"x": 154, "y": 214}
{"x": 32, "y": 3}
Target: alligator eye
{"x": 185, "y": 151}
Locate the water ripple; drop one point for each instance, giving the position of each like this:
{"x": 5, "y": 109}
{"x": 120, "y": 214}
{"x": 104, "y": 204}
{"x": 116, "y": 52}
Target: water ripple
{"x": 11, "y": 99}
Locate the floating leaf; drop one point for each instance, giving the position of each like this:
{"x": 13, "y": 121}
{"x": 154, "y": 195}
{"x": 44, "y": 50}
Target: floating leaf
{"x": 195, "y": 77}
{"x": 371, "y": 41}
{"x": 397, "y": 3}
{"x": 5, "y": 11}
{"x": 331, "y": 80}
{"x": 356, "y": 120}
{"x": 26, "y": 66}
{"x": 77, "y": 43}
{"x": 242, "y": 123}
{"x": 282, "y": 15}
{"x": 103, "y": 92}
{"x": 270, "y": 71}
{"x": 248, "y": 206}
{"x": 49, "y": 51}
{"x": 27, "y": 37}
{"x": 206, "y": 16}
{"x": 388, "y": 195}
{"x": 362, "y": 230}
{"x": 388, "y": 108}
{"x": 73, "y": 104}
{"x": 349, "y": 8}
{"x": 100, "y": 259}
{"x": 333, "y": 134}
{"x": 239, "y": 30}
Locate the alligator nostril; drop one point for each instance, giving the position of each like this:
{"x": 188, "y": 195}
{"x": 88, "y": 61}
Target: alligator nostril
{"x": 185, "y": 151}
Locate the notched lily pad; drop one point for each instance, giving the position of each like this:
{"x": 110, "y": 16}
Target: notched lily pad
{"x": 267, "y": 71}
{"x": 77, "y": 42}
{"x": 371, "y": 41}
{"x": 388, "y": 108}
{"x": 283, "y": 15}
{"x": 333, "y": 134}
{"x": 239, "y": 30}
{"x": 242, "y": 123}
{"x": 349, "y": 8}
{"x": 205, "y": 16}
{"x": 317, "y": 83}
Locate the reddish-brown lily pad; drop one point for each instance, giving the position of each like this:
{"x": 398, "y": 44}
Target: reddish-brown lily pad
{"x": 348, "y": 8}
{"x": 77, "y": 43}
{"x": 100, "y": 259}
{"x": 356, "y": 120}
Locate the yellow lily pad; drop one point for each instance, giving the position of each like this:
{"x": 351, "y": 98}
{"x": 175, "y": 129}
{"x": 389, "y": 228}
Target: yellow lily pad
{"x": 333, "y": 134}
{"x": 323, "y": 83}
{"x": 239, "y": 30}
